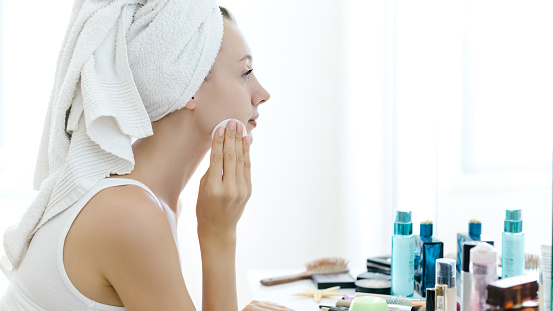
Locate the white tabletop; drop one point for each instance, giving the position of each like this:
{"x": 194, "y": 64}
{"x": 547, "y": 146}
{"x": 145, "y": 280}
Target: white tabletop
{"x": 282, "y": 294}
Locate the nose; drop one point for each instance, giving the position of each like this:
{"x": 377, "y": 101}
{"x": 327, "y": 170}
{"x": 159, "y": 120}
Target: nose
{"x": 261, "y": 95}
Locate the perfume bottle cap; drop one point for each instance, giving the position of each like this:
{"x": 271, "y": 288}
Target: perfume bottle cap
{"x": 513, "y": 221}
{"x": 403, "y": 224}
{"x": 475, "y": 227}
{"x": 467, "y": 246}
{"x": 426, "y": 228}
{"x": 483, "y": 254}
{"x": 445, "y": 271}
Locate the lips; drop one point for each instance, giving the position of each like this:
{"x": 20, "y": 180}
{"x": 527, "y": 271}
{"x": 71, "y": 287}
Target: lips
{"x": 253, "y": 121}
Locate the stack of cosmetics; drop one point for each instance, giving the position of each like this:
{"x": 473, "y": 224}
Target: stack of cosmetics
{"x": 417, "y": 265}
{"x": 416, "y": 268}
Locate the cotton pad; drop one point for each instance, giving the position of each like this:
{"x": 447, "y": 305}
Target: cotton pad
{"x": 224, "y": 124}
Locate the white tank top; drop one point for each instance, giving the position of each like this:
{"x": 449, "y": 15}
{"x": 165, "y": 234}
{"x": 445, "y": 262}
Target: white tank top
{"x": 41, "y": 282}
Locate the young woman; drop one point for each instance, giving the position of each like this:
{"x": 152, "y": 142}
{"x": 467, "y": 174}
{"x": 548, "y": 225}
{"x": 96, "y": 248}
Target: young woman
{"x": 115, "y": 248}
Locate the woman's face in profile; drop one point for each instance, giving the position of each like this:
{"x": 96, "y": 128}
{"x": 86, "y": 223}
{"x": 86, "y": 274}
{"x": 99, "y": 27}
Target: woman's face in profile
{"x": 231, "y": 90}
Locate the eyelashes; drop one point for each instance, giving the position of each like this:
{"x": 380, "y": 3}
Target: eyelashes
{"x": 247, "y": 74}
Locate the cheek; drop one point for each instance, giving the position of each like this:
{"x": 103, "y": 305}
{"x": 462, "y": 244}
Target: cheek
{"x": 224, "y": 100}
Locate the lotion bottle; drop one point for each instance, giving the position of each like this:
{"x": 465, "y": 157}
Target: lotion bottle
{"x": 403, "y": 255}
{"x": 512, "y": 257}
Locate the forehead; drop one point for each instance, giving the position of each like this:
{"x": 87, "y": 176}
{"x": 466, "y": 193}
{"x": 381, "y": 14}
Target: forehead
{"x": 234, "y": 46}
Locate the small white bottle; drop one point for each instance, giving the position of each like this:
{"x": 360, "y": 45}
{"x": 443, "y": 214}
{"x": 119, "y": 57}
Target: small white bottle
{"x": 446, "y": 275}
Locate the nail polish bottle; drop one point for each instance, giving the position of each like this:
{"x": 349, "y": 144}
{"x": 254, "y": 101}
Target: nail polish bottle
{"x": 427, "y": 250}
{"x": 403, "y": 253}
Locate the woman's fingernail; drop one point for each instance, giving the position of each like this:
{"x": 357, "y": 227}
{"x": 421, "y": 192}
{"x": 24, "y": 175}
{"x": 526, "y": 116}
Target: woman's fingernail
{"x": 232, "y": 125}
{"x": 221, "y": 131}
{"x": 247, "y": 140}
{"x": 238, "y": 128}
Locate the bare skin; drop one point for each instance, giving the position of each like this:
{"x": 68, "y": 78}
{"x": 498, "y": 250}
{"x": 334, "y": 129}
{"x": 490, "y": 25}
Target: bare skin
{"x": 120, "y": 250}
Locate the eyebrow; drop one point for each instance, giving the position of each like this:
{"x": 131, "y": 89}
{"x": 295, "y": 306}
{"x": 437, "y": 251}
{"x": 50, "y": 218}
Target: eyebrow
{"x": 248, "y": 57}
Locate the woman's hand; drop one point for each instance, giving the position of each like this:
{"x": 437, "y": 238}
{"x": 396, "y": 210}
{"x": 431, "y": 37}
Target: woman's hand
{"x": 264, "y": 305}
{"x": 226, "y": 186}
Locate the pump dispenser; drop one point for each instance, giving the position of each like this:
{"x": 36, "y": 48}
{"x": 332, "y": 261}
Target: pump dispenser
{"x": 446, "y": 275}
{"x": 403, "y": 253}
{"x": 512, "y": 262}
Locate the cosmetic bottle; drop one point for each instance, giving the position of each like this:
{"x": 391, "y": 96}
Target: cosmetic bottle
{"x": 512, "y": 293}
{"x": 430, "y": 299}
{"x": 545, "y": 281}
{"x": 512, "y": 251}
{"x": 466, "y": 278}
{"x": 403, "y": 253}
{"x": 446, "y": 275}
{"x": 427, "y": 250}
{"x": 474, "y": 234}
{"x": 441, "y": 298}
{"x": 483, "y": 262}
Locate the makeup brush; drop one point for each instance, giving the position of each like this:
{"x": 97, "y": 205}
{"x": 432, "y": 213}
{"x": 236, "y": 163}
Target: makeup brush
{"x": 320, "y": 266}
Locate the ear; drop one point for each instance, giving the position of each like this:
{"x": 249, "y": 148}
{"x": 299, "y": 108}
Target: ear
{"x": 191, "y": 104}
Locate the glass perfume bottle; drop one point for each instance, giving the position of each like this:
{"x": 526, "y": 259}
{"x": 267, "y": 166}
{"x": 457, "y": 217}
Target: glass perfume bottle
{"x": 403, "y": 255}
{"x": 427, "y": 250}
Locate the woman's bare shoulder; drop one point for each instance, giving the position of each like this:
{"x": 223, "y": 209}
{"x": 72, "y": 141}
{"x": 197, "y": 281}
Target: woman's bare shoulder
{"x": 123, "y": 237}
{"x": 140, "y": 251}
{"x": 127, "y": 209}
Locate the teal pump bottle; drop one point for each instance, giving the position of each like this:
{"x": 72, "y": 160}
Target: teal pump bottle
{"x": 512, "y": 258}
{"x": 403, "y": 256}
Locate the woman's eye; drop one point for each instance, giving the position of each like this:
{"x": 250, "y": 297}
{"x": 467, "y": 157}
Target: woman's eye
{"x": 247, "y": 74}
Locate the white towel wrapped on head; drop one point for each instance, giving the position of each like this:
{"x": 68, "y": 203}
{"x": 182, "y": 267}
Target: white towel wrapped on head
{"x": 123, "y": 65}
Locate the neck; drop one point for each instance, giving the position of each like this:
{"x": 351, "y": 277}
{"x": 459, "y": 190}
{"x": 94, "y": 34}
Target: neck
{"x": 165, "y": 161}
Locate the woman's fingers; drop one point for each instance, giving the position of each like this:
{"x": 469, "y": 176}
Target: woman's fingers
{"x": 229, "y": 154}
{"x": 247, "y": 164}
{"x": 240, "y": 182}
{"x": 216, "y": 158}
